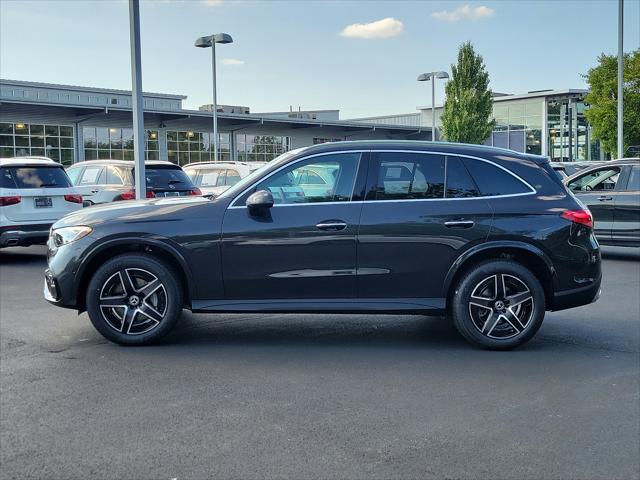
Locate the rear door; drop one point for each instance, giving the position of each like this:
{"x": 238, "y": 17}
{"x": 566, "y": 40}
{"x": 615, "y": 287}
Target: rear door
{"x": 42, "y": 191}
{"x": 411, "y": 231}
{"x": 626, "y": 223}
{"x": 596, "y": 189}
{"x": 91, "y": 182}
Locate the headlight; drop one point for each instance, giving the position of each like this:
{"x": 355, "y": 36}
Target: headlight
{"x": 64, "y": 235}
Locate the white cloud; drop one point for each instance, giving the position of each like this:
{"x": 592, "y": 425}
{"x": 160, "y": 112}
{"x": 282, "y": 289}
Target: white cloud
{"x": 464, "y": 12}
{"x": 232, "y": 61}
{"x": 385, "y": 28}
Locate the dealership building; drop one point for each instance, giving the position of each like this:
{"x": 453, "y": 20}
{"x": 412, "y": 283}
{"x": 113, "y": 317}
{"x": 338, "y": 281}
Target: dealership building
{"x": 542, "y": 122}
{"x": 71, "y": 124}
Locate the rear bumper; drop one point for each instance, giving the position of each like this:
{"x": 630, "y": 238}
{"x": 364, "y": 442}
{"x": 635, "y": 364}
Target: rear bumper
{"x": 24, "y": 235}
{"x": 577, "y": 297}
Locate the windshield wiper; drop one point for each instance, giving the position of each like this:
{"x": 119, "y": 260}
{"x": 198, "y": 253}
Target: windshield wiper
{"x": 48, "y": 185}
{"x": 174, "y": 181}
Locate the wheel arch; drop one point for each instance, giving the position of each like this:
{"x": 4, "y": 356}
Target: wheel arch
{"x": 150, "y": 246}
{"x": 530, "y": 256}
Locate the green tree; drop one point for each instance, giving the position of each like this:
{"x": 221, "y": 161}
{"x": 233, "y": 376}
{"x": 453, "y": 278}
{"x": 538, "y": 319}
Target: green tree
{"x": 603, "y": 101}
{"x": 466, "y": 116}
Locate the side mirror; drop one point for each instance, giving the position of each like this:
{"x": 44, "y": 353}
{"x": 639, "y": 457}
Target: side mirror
{"x": 260, "y": 201}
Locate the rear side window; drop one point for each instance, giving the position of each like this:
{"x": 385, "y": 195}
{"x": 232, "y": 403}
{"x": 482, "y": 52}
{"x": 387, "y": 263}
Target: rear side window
{"x": 459, "y": 181}
{"x": 409, "y": 176}
{"x": 163, "y": 177}
{"x": 34, "y": 177}
{"x": 233, "y": 177}
{"x": 492, "y": 180}
{"x": 115, "y": 176}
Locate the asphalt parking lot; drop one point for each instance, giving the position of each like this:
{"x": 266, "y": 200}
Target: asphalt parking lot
{"x": 322, "y": 396}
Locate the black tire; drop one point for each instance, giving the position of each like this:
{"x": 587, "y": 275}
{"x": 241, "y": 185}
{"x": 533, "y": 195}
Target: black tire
{"x": 142, "y": 320}
{"x": 507, "y": 324}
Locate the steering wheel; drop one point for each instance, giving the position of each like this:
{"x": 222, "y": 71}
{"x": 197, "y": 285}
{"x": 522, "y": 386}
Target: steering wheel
{"x": 588, "y": 188}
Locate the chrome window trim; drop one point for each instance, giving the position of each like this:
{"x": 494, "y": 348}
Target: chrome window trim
{"x": 431, "y": 152}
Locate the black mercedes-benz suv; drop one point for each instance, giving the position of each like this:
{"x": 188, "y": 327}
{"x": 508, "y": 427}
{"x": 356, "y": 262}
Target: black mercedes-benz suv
{"x": 488, "y": 237}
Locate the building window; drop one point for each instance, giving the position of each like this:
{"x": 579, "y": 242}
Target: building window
{"x": 518, "y": 126}
{"x": 117, "y": 143}
{"x": 190, "y": 147}
{"x": 261, "y": 148}
{"x": 22, "y": 139}
{"x": 317, "y": 140}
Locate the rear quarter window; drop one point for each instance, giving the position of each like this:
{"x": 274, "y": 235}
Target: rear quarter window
{"x": 34, "y": 177}
{"x": 493, "y": 181}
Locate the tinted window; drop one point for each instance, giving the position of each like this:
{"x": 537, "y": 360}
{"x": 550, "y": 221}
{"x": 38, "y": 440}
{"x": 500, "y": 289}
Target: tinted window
{"x": 459, "y": 182}
{"x": 162, "y": 177}
{"x": 604, "y": 179}
{"x": 34, "y": 177}
{"x": 410, "y": 176}
{"x": 73, "y": 174}
{"x": 634, "y": 179}
{"x": 337, "y": 171}
{"x": 492, "y": 180}
{"x": 92, "y": 176}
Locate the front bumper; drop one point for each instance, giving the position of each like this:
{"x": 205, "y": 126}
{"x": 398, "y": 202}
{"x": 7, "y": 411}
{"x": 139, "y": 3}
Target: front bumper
{"x": 24, "y": 235}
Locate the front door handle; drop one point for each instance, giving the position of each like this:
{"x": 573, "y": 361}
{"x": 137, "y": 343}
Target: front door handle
{"x": 605, "y": 198}
{"x": 459, "y": 224}
{"x": 331, "y": 225}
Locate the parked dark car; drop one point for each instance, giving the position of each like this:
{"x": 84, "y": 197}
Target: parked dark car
{"x": 487, "y": 236}
{"x": 103, "y": 181}
{"x": 611, "y": 190}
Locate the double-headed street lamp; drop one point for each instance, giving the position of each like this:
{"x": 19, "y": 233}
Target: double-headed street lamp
{"x": 206, "y": 42}
{"x": 432, "y": 76}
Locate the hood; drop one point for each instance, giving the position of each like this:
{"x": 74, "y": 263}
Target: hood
{"x": 132, "y": 211}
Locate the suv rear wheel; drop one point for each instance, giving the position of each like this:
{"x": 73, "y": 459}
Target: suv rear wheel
{"x": 134, "y": 299}
{"x": 498, "y": 305}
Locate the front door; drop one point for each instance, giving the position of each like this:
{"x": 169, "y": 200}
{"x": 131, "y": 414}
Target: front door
{"x": 596, "y": 189}
{"x": 411, "y": 231}
{"x": 304, "y": 247}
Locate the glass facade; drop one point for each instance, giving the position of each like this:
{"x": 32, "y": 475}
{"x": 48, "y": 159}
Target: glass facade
{"x": 518, "y": 126}
{"x": 261, "y": 148}
{"x": 117, "y": 143}
{"x": 569, "y": 136}
{"x": 22, "y": 139}
{"x": 188, "y": 147}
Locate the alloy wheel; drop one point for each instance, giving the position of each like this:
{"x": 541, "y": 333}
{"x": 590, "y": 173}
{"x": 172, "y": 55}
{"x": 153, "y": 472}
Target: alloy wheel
{"x": 501, "y": 306}
{"x": 133, "y": 301}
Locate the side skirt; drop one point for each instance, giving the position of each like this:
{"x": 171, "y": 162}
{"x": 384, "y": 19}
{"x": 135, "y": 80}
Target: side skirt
{"x": 432, "y": 306}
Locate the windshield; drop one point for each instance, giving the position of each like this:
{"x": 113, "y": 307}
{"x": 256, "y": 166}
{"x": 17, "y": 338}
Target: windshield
{"x": 249, "y": 179}
{"x": 34, "y": 177}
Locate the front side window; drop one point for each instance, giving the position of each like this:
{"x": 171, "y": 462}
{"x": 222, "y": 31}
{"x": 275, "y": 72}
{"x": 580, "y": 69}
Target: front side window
{"x": 74, "y": 174}
{"x": 409, "y": 176}
{"x": 233, "y": 177}
{"x": 494, "y": 181}
{"x": 604, "y": 179}
{"x": 92, "y": 176}
{"x": 634, "y": 179}
{"x": 337, "y": 172}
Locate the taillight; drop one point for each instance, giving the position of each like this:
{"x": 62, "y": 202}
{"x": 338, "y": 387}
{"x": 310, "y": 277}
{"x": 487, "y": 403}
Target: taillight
{"x": 195, "y": 191}
{"x": 6, "y": 201}
{"x": 131, "y": 195}
{"x": 75, "y": 198}
{"x": 582, "y": 217}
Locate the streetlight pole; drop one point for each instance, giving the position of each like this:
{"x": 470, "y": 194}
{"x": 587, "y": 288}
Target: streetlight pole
{"x": 136, "y": 96}
{"x": 620, "y": 80}
{"x": 432, "y": 76}
{"x": 210, "y": 42}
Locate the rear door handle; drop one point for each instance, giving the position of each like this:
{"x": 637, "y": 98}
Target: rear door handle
{"x": 605, "y": 198}
{"x": 95, "y": 191}
{"x": 331, "y": 225}
{"x": 459, "y": 224}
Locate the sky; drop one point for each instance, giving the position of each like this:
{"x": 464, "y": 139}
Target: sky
{"x": 361, "y": 57}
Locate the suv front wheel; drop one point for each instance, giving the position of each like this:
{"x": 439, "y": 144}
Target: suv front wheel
{"x": 134, "y": 299}
{"x": 498, "y": 305}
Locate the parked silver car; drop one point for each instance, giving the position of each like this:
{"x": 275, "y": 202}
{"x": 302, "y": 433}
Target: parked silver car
{"x": 213, "y": 178}
{"x": 103, "y": 181}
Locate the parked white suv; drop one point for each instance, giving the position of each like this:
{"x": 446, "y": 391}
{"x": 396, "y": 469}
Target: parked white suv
{"x": 213, "y": 178}
{"x": 34, "y": 193}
